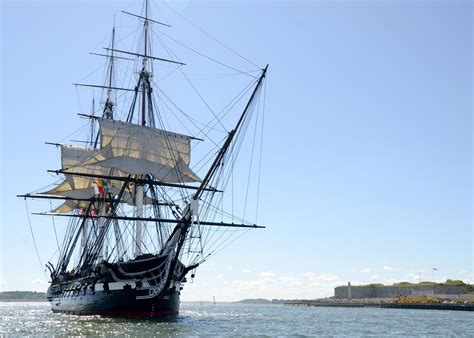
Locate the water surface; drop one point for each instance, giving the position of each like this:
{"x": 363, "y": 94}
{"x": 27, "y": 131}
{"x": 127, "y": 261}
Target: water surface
{"x": 241, "y": 320}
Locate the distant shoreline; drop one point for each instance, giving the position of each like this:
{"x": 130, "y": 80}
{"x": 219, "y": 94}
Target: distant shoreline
{"x": 260, "y": 301}
{"x": 22, "y": 296}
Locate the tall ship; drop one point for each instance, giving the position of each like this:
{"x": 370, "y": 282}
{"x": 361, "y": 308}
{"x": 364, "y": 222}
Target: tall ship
{"x": 139, "y": 216}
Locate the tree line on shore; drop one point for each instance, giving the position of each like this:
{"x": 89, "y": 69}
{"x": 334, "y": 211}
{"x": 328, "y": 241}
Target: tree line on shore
{"x": 22, "y": 296}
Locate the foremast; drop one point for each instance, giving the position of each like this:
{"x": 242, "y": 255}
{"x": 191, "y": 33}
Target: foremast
{"x": 103, "y": 210}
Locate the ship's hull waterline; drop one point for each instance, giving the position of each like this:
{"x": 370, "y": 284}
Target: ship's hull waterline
{"x": 117, "y": 303}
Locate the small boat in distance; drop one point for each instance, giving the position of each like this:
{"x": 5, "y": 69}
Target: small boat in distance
{"x": 139, "y": 219}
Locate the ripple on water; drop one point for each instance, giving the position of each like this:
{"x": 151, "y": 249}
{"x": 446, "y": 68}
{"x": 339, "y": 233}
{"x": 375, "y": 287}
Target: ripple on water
{"x": 240, "y": 320}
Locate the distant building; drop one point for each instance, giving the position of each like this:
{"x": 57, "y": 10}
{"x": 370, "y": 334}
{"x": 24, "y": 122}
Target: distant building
{"x": 393, "y": 291}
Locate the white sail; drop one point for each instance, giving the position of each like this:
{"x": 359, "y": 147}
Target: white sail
{"x": 71, "y": 205}
{"x": 80, "y": 187}
{"x": 66, "y": 189}
{"x": 77, "y": 186}
{"x": 72, "y": 156}
{"x": 141, "y": 150}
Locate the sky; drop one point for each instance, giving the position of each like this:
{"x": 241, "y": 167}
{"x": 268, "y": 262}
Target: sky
{"x": 367, "y": 161}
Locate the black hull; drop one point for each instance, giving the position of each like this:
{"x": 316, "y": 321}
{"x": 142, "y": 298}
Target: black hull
{"x": 118, "y": 303}
{"x": 138, "y": 288}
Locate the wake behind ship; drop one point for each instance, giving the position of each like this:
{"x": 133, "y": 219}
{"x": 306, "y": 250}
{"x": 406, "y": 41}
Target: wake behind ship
{"x": 139, "y": 219}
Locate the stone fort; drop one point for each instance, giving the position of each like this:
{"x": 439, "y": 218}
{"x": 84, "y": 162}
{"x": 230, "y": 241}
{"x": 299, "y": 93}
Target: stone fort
{"x": 382, "y": 291}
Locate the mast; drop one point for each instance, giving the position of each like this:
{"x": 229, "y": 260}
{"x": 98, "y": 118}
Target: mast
{"x": 138, "y": 223}
{"x": 144, "y": 73}
{"x": 111, "y": 64}
{"x": 92, "y": 135}
{"x": 139, "y": 188}
{"x": 108, "y": 109}
{"x": 85, "y": 233}
{"x": 101, "y": 225}
{"x": 108, "y": 114}
{"x": 85, "y": 227}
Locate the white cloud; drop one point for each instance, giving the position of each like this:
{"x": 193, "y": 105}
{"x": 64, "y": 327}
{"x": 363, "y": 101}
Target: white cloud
{"x": 375, "y": 276}
{"x": 328, "y": 277}
{"x": 323, "y": 281}
{"x": 365, "y": 270}
{"x": 38, "y": 281}
{"x": 388, "y": 268}
{"x": 289, "y": 281}
{"x": 267, "y": 276}
{"x": 270, "y": 285}
{"x": 220, "y": 276}
{"x": 246, "y": 271}
{"x": 253, "y": 285}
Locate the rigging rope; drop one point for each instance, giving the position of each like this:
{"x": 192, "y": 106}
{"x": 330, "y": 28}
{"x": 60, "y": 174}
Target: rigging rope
{"x": 171, "y": 53}
{"x": 251, "y": 157}
{"x": 261, "y": 152}
{"x": 209, "y": 35}
{"x": 54, "y": 225}
{"x": 34, "y": 240}
{"x": 206, "y": 56}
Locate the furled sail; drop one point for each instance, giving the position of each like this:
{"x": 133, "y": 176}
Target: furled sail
{"x": 141, "y": 150}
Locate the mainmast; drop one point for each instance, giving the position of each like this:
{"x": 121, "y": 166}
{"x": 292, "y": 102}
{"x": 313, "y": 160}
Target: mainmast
{"x": 144, "y": 77}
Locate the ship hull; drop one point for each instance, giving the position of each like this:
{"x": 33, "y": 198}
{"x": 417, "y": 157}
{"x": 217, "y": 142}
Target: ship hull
{"x": 117, "y": 303}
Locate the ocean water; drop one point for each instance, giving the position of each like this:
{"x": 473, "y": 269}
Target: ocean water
{"x": 225, "y": 319}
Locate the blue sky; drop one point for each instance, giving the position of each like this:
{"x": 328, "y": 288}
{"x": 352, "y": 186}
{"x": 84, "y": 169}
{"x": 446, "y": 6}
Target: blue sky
{"x": 368, "y": 137}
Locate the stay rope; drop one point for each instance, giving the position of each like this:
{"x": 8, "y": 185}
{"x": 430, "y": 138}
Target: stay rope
{"x": 54, "y": 226}
{"x": 209, "y": 35}
{"x": 34, "y": 241}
